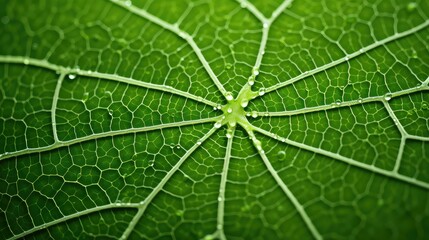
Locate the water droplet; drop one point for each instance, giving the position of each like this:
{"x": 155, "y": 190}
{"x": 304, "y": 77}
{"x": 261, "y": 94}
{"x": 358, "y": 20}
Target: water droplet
{"x": 71, "y": 76}
{"x": 199, "y": 142}
{"x": 85, "y": 96}
{"x": 261, "y": 91}
{"x": 281, "y": 155}
{"x": 229, "y": 110}
{"x": 411, "y": 6}
{"x": 361, "y": 50}
{"x": 218, "y": 124}
{"x": 360, "y": 100}
{"x": 338, "y": 102}
{"x": 255, "y": 71}
{"x": 254, "y": 114}
{"x": 107, "y": 94}
{"x": 26, "y": 61}
{"x": 388, "y": 96}
{"x": 243, "y": 4}
{"x": 179, "y": 213}
{"x": 228, "y": 66}
{"x": 425, "y": 106}
{"x": 248, "y": 114}
{"x": 244, "y": 103}
{"x": 219, "y": 107}
{"x": 265, "y": 25}
{"x": 229, "y": 96}
{"x": 128, "y": 3}
{"x": 229, "y": 133}
{"x": 414, "y": 54}
{"x": 110, "y": 112}
{"x": 219, "y": 226}
{"x": 215, "y": 108}
{"x": 251, "y": 80}
{"x": 346, "y": 58}
{"x": 232, "y": 123}
{"x": 219, "y": 199}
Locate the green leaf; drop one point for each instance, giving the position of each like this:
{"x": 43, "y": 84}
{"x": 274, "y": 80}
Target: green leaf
{"x": 214, "y": 119}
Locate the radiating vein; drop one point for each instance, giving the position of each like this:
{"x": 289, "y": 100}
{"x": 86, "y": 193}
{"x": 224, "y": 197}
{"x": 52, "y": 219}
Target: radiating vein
{"x": 222, "y": 188}
{"x": 285, "y": 189}
{"x": 113, "y": 77}
{"x": 158, "y": 188}
{"x": 344, "y": 104}
{"x": 73, "y": 216}
{"x": 266, "y": 25}
{"x": 54, "y": 106}
{"x": 350, "y": 56}
{"x": 95, "y": 136}
{"x": 175, "y": 29}
{"x": 347, "y": 160}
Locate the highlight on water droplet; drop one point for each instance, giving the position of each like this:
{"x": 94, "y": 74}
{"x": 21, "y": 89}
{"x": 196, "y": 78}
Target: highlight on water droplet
{"x": 218, "y": 124}
{"x": 229, "y": 110}
{"x": 251, "y": 80}
{"x": 254, "y": 114}
{"x": 229, "y": 96}
{"x": 26, "y": 61}
{"x": 338, "y": 102}
{"x": 71, "y": 76}
{"x": 128, "y": 3}
{"x": 255, "y": 71}
{"x": 179, "y": 213}
{"x": 244, "y": 103}
{"x": 387, "y": 96}
{"x": 281, "y": 155}
{"x": 261, "y": 91}
{"x": 228, "y": 66}
{"x": 229, "y": 133}
{"x": 411, "y": 6}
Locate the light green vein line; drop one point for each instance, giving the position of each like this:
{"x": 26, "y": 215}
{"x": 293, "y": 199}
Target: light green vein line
{"x": 175, "y": 29}
{"x": 47, "y": 65}
{"x": 418, "y": 138}
{"x": 158, "y": 188}
{"x": 74, "y": 215}
{"x": 347, "y": 160}
{"x": 348, "y": 57}
{"x": 266, "y": 25}
{"x": 251, "y": 8}
{"x": 403, "y": 135}
{"x": 222, "y": 189}
{"x": 343, "y": 104}
{"x": 285, "y": 189}
{"x": 54, "y": 105}
{"x": 105, "y": 134}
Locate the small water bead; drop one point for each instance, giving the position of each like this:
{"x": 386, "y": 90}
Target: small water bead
{"x": 248, "y": 114}
{"x": 411, "y": 6}
{"x": 232, "y": 123}
{"x": 179, "y": 213}
{"x": 255, "y": 71}
{"x": 388, "y": 96}
{"x": 251, "y": 80}
{"x": 229, "y": 133}
{"x": 265, "y": 25}
{"x": 360, "y": 100}
{"x": 281, "y": 155}
{"x": 71, "y": 76}
{"x": 243, "y": 4}
{"x": 261, "y": 91}
{"x": 254, "y": 114}
{"x": 228, "y": 66}
{"x": 229, "y": 96}
{"x": 229, "y": 110}
{"x": 338, "y": 102}
{"x": 26, "y": 61}
{"x": 244, "y": 103}
{"x": 128, "y": 3}
{"x": 199, "y": 142}
{"x": 218, "y": 124}
{"x": 85, "y": 97}
{"x": 219, "y": 199}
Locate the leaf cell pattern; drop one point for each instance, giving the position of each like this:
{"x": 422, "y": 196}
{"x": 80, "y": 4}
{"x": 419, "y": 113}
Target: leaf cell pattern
{"x": 214, "y": 119}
